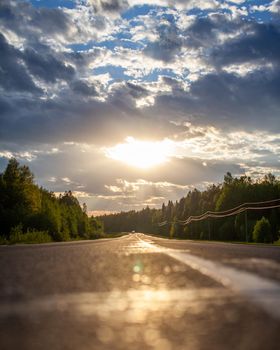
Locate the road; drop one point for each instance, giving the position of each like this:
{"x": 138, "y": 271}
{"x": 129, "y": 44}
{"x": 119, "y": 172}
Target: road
{"x": 139, "y": 292}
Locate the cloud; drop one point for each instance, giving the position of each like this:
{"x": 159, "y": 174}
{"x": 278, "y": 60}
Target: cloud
{"x": 22, "y": 18}
{"x": 273, "y": 7}
{"x": 47, "y": 67}
{"x": 113, "y": 185}
{"x": 56, "y": 26}
{"x": 82, "y": 88}
{"x": 179, "y": 4}
{"x": 259, "y": 44}
{"x": 209, "y": 32}
{"x": 119, "y": 6}
{"x": 49, "y": 20}
{"x": 168, "y": 44}
{"x": 201, "y": 73}
{"x": 109, "y": 5}
{"x": 13, "y": 74}
{"x": 226, "y": 100}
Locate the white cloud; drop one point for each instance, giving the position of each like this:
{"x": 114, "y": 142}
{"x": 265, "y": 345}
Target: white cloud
{"x": 275, "y": 6}
{"x": 180, "y": 4}
{"x": 247, "y": 68}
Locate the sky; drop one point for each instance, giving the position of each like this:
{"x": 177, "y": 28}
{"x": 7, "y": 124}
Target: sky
{"x": 130, "y": 103}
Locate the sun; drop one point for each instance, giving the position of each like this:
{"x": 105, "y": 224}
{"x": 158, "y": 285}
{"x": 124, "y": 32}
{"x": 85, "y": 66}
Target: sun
{"x": 140, "y": 154}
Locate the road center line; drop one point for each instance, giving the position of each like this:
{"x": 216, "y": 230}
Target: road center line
{"x": 261, "y": 291}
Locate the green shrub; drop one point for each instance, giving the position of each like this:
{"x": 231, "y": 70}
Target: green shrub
{"x": 95, "y": 235}
{"x": 3, "y": 240}
{"x": 262, "y": 231}
{"x": 186, "y": 231}
{"x": 173, "y": 230}
{"x": 16, "y": 234}
{"x": 31, "y": 236}
{"x": 61, "y": 236}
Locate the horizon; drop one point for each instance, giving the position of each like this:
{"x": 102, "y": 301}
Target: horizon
{"x": 267, "y": 178}
{"x": 134, "y": 103}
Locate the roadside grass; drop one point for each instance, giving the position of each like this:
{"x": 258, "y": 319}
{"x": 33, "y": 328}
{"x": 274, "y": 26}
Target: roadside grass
{"x": 30, "y": 237}
{"x": 276, "y": 243}
{"x": 33, "y": 236}
{"x": 3, "y": 241}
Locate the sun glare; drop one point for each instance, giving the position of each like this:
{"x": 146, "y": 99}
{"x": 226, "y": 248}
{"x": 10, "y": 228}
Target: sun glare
{"x": 140, "y": 154}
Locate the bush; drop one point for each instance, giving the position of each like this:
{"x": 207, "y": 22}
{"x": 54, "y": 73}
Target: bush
{"x": 173, "y": 230}
{"x": 95, "y": 235}
{"x": 226, "y": 230}
{"x": 3, "y": 240}
{"x": 186, "y": 232}
{"x": 31, "y": 236}
{"x": 61, "y": 236}
{"x": 262, "y": 231}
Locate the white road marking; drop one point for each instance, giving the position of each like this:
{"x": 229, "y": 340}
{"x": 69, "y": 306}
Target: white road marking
{"x": 261, "y": 291}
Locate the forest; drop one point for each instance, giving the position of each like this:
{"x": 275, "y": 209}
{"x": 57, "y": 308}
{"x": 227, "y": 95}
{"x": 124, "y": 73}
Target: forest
{"x": 251, "y": 225}
{"x": 29, "y": 213}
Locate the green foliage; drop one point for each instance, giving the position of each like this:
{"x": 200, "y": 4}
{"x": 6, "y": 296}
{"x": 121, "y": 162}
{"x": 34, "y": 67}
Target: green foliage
{"x": 186, "y": 232}
{"x": 233, "y": 192}
{"x": 28, "y": 212}
{"x": 32, "y": 214}
{"x": 3, "y": 240}
{"x": 262, "y": 231}
{"x": 31, "y": 236}
{"x": 173, "y": 230}
{"x": 20, "y": 199}
{"x": 226, "y": 230}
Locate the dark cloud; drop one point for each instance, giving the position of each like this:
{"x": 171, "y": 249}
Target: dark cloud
{"x": 13, "y": 74}
{"x": 125, "y": 95}
{"x": 261, "y": 43}
{"x": 47, "y": 67}
{"x": 50, "y": 20}
{"x": 82, "y": 88}
{"x": 81, "y": 59}
{"x": 16, "y": 66}
{"x": 109, "y": 5}
{"x": 6, "y": 11}
{"x": 5, "y": 106}
{"x": 168, "y": 45}
{"x": 222, "y": 99}
{"x": 68, "y": 117}
{"x": 22, "y": 18}
{"x": 136, "y": 91}
{"x": 228, "y": 101}
{"x": 204, "y": 31}
{"x": 200, "y": 33}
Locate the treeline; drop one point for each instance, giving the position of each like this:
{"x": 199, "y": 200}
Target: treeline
{"x": 259, "y": 225}
{"x": 32, "y": 214}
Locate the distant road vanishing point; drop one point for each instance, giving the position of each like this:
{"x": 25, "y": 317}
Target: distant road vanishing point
{"x": 140, "y": 292}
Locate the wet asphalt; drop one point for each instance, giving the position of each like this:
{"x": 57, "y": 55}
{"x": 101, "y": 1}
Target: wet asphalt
{"x": 122, "y": 294}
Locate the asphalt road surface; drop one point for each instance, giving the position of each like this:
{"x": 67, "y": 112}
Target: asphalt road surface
{"x": 139, "y": 292}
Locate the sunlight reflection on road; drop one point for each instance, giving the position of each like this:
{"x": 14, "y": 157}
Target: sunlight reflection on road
{"x": 153, "y": 318}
